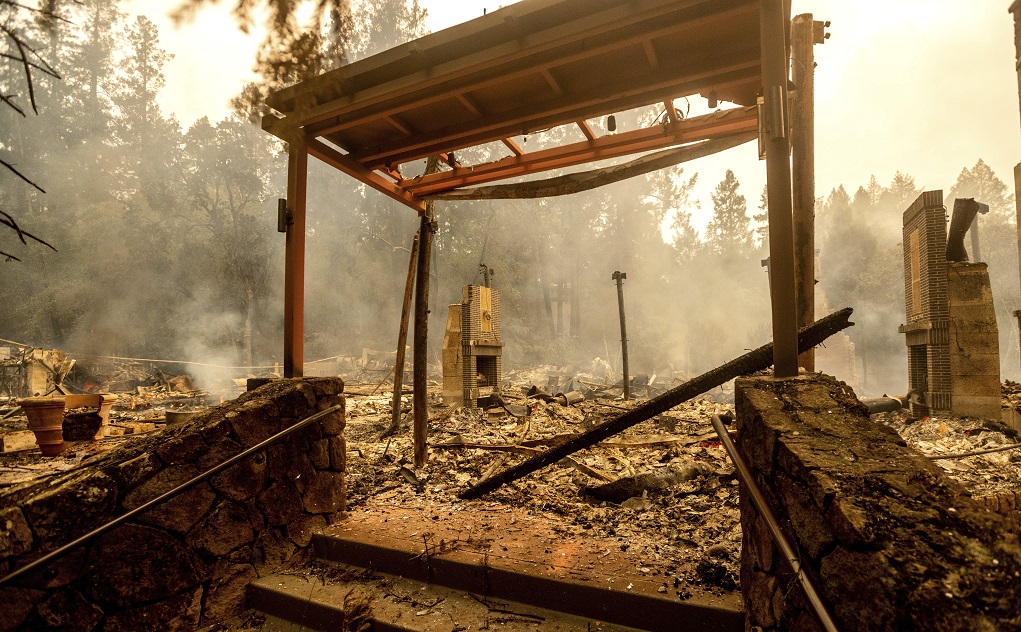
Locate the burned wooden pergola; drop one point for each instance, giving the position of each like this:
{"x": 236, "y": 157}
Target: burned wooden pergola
{"x": 539, "y": 64}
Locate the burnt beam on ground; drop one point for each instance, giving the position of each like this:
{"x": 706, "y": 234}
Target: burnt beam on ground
{"x": 750, "y": 362}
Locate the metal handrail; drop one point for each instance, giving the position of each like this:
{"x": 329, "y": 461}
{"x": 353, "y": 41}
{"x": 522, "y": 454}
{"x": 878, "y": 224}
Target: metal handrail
{"x": 49, "y": 557}
{"x": 759, "y": 500}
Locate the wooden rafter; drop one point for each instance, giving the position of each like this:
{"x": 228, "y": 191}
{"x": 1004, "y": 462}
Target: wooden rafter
{"x": 725, "y": 123}
{"x": 347, "y": 113}
{"x": 585, "y": 129}
{"x": 337, "y": 160}
{"x": 588, "y": 180}
{"x": 738, "y": 68}
{"x": 511, "y": 145}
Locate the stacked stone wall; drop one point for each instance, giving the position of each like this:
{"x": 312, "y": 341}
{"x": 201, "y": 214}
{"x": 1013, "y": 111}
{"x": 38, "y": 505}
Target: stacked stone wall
{"x": 186, "y": 563}
{"x": 890, "y": 542}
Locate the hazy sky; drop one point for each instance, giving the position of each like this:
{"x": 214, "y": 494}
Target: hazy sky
{"x": 922, "y": 86}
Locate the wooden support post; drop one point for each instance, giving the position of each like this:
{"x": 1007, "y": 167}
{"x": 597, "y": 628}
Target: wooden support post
{"x": 1015, "y": 8}
{"x": 619, "y": 277}
{"x": 421, "y": 351}
{"x": 803, "y": 174}
{"x": 803, "y": 39}
{"x": 294, "y": 257}
{"x": 773, "y": 29}
{"x": 402, "y": 340}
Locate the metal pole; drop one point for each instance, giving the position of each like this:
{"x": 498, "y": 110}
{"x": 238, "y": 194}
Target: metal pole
{"x": 786, "y": 550}
{"x": 773, "y": 30}
{"x": 805, "y": 33}
{"x": 294, "y": 258}
{"x": 402, "y": 338}
{"x": 619, "y": 277}
{"x": 183, "y": 487}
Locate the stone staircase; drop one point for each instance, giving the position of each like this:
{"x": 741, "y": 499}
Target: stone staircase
{"x": 398, "y": 574}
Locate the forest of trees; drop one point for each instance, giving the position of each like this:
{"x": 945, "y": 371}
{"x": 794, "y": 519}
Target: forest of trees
{"x": 167, "y": 245}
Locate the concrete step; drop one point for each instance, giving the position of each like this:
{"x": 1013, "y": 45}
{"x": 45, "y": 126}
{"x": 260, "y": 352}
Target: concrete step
{"x": 523, "y": 564}
{"x": 395, "y": 604}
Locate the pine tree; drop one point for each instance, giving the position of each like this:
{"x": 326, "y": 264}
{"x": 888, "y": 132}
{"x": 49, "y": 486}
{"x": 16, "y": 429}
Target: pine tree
{"x": 729, "y": 230}
{"x": 981, "y": 183}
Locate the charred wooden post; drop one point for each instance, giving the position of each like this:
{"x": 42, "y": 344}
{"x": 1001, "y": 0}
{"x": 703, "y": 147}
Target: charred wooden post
{"x": 619, "y": 277}
{"x": 773, "y": 41}
{"x": 750, "y": 362}
{"x": 402, "y": 340}
{"x": 805, "y": 34}
{"x": 294, "y": 257}
{"x": 421, "y": 360}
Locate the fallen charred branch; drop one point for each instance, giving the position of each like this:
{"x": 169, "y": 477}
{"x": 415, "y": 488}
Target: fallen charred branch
{"x": 750, "y": 362}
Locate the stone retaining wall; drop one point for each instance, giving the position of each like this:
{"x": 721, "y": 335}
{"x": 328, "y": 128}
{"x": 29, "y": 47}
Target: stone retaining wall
{"x": 186, "y": 563}
{"x": 891, "y": 543}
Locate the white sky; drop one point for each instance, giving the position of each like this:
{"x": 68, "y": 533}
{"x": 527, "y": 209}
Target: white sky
{"x": 923, "y": 86}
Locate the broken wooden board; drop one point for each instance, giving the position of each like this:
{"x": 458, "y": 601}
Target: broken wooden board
{"x": 17, "y": 440}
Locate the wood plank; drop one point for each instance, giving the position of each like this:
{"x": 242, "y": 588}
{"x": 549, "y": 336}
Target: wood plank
{"x": 365, "y": 107}
{"x": 343, "y": 82}
{"x": 17, "y": 440}
{"x": 742, "y": 68}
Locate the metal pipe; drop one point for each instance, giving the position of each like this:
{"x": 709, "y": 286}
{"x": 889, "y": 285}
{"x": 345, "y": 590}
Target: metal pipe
{"x": 183, "y": 487}
{"x": 774, "y": 23}
{"x": 786, "y": 550}
{"x": 619, "y": 277}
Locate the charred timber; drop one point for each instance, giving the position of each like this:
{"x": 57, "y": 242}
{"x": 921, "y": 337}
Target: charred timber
{"x": 402, "y": 341}
{"x": 750, "y": 362}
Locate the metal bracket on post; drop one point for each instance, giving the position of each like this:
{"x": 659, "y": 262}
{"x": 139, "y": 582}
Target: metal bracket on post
{"x": 284, "y": 217}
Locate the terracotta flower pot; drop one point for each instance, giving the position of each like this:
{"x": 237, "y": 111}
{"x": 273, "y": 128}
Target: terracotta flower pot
{"x": 46, "y": 420}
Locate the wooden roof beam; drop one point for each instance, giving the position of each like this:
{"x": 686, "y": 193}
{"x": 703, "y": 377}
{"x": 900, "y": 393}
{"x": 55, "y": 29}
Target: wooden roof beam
{"x": 337, "y": 160}
{"x": 671, "y": 111}
{"x": 715, "y": 125}
{"x": 511, "y": 145}
{"x": 650, "y": 53}
{"x": 615, "y": 17}
{"x": 741, "y": 68}
{"x": 585, "y": 129}
{"x": 468, "y": 104}
{"x": 319, "y": 122}
{"x": 552, "y": 81}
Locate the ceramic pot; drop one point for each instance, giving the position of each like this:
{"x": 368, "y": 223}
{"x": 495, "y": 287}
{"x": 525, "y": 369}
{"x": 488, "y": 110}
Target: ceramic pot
{"x": 179, "y": 417}
{"x": 46, "y": 420}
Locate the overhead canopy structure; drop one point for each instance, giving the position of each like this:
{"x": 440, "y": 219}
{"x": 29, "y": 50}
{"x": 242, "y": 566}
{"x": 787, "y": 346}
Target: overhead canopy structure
{"x": 531, "y": 66}
{"x": 527, "y": 67}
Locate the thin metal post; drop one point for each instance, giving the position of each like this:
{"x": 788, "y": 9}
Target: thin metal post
{"x": 619, "y": 277}
{"x": 773, "y": 30}
{"x": 805, "y": 33}
{"x": 294, "y": 257}
{"x": 786, "y": 550}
